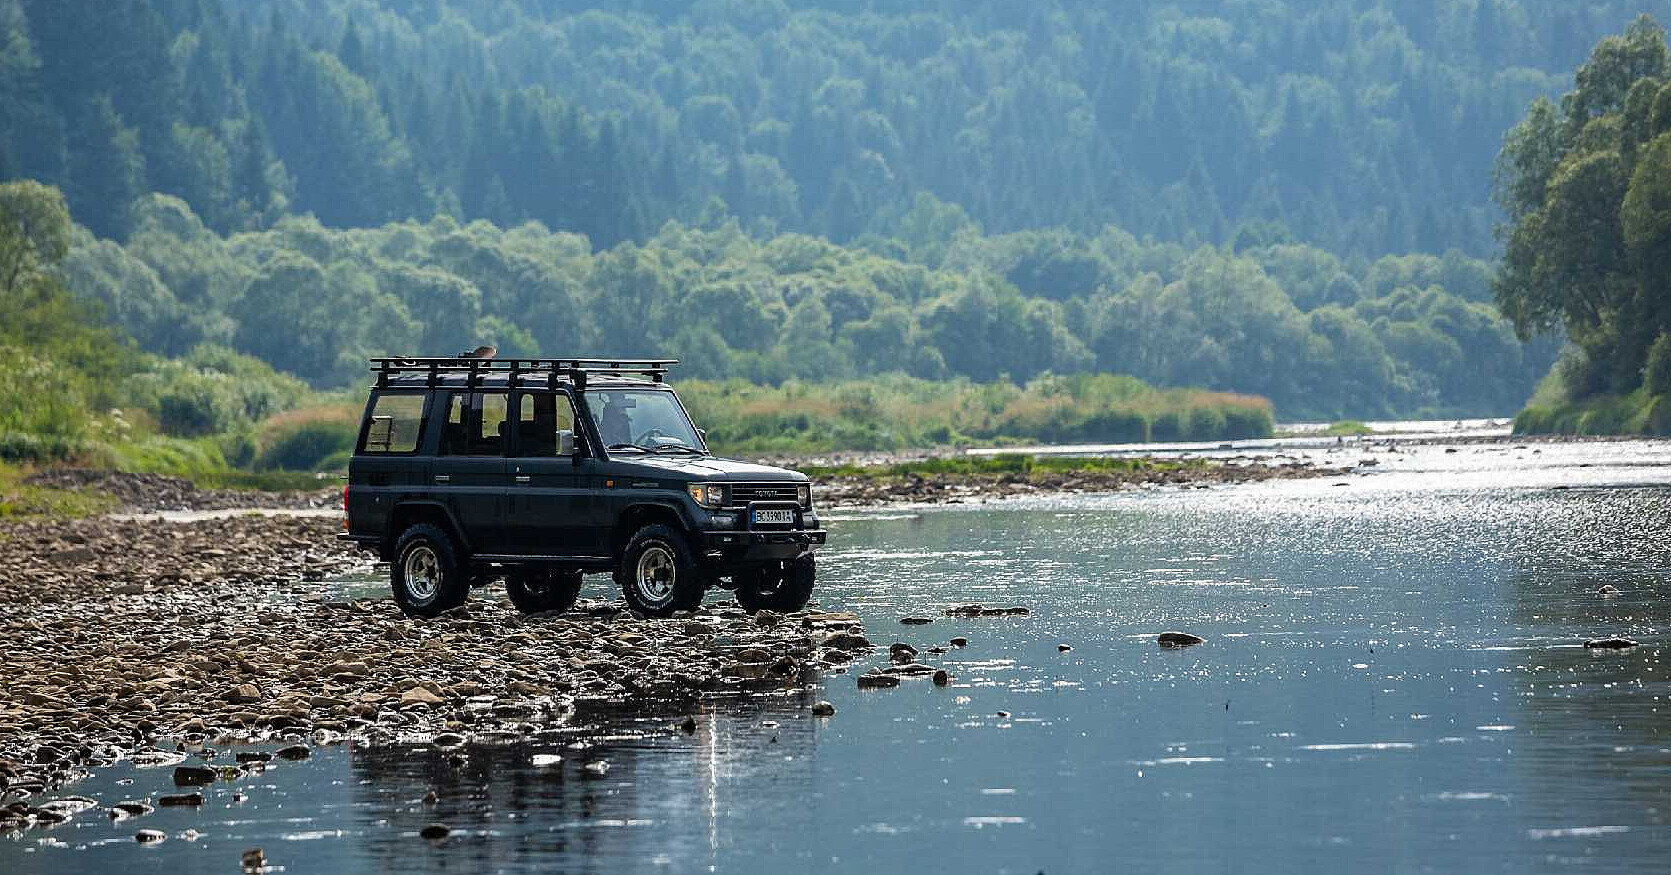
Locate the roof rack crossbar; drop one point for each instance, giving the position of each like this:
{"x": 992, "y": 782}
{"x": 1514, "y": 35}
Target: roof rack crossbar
{"x": 515, "y": 369}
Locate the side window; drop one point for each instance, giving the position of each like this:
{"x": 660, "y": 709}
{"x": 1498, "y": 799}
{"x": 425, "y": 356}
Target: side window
{"x": 396, "y": 421}
{"x": 475, "y": 424}
{"x": 491, "y": 433}
{"x": 455, "y": 433}
{"x": 544, "y": 425}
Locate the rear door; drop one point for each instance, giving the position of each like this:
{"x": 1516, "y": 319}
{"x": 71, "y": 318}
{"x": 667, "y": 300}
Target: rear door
{"x": 548, "y": 506}
{"x": 470, "y": 472}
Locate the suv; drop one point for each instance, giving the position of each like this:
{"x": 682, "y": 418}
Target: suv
{"x": 540, "y": 470}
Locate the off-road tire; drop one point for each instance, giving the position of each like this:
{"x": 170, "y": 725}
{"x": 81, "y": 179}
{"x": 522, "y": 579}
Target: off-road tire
{"x": 784, "y": 587}
{"x": 658, "y": 573}
{"x": 428, "y": 575}
{"x": 535, "y": 591}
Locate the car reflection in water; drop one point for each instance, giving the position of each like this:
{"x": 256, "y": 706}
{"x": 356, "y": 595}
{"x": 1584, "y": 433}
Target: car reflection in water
{"x": 510, "y": 804}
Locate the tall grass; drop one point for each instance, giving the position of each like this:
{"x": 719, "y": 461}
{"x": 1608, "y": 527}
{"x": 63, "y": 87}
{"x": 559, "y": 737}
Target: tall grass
{"x": 897, "y": 412}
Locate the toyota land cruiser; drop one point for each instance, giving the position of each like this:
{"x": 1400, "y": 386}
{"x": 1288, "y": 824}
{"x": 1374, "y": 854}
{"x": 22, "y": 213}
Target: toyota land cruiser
{"x": 538, "y": 471}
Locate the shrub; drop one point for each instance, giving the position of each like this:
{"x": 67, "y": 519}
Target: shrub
{"x": 1656, "y": 375}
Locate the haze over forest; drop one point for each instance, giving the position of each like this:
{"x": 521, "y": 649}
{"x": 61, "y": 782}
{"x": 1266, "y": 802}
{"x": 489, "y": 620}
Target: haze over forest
{"x": 1286, "y": 199}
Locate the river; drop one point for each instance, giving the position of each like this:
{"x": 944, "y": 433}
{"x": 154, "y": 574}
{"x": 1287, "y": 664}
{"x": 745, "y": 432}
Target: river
{"x": 1394, "y": 680}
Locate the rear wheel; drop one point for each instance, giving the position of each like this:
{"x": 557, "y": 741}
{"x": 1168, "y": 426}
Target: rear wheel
{"x": 427, "y": 575}
{"x": 537, "y": 590}
{"x": 781, "y": 586}
{"x": 658, "y": 574}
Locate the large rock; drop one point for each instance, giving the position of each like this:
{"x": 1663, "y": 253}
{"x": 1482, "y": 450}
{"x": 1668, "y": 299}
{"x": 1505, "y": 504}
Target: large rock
{"x": 877, "y": 681}
{"x": 193, "y": 776}
{"x": 1178, "y": 639}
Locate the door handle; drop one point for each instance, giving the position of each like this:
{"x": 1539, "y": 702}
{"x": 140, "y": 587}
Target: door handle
{"x": 443, "y": 478}
{"x": 523, "y": 478}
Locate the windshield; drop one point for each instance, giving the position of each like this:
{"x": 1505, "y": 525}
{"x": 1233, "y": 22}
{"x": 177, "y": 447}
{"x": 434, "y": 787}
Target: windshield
{"x": 643, "y": 419}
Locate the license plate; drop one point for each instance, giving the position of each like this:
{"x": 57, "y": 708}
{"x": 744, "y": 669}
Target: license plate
{"x": 774, "y": 517}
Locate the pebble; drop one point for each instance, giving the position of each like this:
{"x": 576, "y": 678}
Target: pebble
{"x": 823, "y": 709}
{"x": 877, "y": 681}
{"x": 1607, "y": 589}
{"x": 1063, "y": 648}
{"x": 689, "y": 726}
{"x": 1178, "y": 639}
{"x": 253, "y": 860}
{"x": 959, "y": 641}
{"x": 916, "y": 621}
{"x": 149, "y": 836}
{"x": 1610, "y": 644}
{"x": 435, "y": 831}
{"x": 294, "y": 752}
{"x": 941, "y": 678}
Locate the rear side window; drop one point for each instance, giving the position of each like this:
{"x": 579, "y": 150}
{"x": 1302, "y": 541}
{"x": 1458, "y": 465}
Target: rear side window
{"x": 396, "y": 421}
{"x": 476, "y": 425}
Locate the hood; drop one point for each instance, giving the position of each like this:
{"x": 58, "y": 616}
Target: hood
{"x": 708, "y": 468}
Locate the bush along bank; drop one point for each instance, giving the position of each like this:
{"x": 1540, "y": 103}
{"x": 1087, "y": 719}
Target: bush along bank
{"x": 895, "y": 412}
{"x": 1638, "y": 413}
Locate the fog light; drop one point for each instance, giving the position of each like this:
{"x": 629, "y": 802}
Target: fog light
{"x": 723, "y": 520}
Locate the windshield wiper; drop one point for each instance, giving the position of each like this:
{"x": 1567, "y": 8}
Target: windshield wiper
{"x": 628, "y": 447}
{"x": 679, "y": 448}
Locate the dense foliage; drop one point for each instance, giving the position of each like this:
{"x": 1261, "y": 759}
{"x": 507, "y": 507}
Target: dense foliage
{"x": 1587, "y": 187}
{"x": 1318, "y": 336}
{"x": 1365, "y": 126}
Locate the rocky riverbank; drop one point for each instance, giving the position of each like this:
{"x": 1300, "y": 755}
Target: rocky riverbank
{"x": 143, "y": 639}
{"x": 150, "y": 493}
{"x": 880, "y": 486}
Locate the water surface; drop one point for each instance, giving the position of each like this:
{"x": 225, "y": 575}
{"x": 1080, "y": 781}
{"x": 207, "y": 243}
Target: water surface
{"x": 1394, "y": 681}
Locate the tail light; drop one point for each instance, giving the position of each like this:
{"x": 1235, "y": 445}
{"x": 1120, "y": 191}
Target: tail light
{"x": 345, "y": 508}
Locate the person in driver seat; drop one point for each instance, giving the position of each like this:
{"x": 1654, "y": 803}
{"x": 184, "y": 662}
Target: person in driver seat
{"x": 615, "y": 424}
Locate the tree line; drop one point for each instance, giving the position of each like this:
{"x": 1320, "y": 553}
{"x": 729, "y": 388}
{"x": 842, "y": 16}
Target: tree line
{"x": 1363, "y": 126}
{"x": 1320, "y": 336}
{"x": 1586, "y": 184}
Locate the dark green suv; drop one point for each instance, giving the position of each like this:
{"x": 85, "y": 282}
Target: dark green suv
{"x": 537, "y": 471}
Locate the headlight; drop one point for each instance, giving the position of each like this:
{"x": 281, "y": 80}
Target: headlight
{"x": 803, "y": 494}
{"x": 708, "y": 495}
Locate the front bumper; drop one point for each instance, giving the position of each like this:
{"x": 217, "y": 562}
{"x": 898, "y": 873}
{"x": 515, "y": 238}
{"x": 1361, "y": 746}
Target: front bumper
{"x": 745, "y": 546}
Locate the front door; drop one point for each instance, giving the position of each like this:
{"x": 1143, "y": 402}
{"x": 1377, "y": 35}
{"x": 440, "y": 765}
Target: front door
{"x": 470, "y": 472}
{"x": 549, "y": 505}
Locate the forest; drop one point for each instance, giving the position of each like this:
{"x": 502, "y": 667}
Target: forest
{"x": 1286, "y": 200}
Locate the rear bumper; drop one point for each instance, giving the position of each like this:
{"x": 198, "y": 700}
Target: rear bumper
{"x": 745, "y": 546}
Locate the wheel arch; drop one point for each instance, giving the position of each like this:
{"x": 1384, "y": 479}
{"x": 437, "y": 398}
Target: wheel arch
{"x": 638, "y": 516}
{"x": 409, "y": 513}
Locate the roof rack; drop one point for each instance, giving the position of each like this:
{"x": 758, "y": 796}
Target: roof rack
{"x": 517, "y": 371}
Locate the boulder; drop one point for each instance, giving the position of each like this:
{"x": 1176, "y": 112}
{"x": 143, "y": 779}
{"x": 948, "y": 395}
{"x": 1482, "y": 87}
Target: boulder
{"x": 877, "y": 681}
{"x": 193, "y": 776}
{"x": 1179, "y": 639}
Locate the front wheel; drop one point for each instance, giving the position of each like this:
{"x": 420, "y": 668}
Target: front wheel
{"x": 658, "y": 575}
{"x": 535, "y": 592}
{"x": 784, "y": 587}
{"x": 427, "y": 574}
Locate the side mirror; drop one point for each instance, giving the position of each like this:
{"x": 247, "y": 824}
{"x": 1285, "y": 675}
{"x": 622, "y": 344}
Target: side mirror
{"x": 565, "y": 442}
{"x": 703, "y": 434}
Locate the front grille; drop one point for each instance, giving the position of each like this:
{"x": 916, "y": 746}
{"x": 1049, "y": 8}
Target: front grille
{"x": 743, "y": 493}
